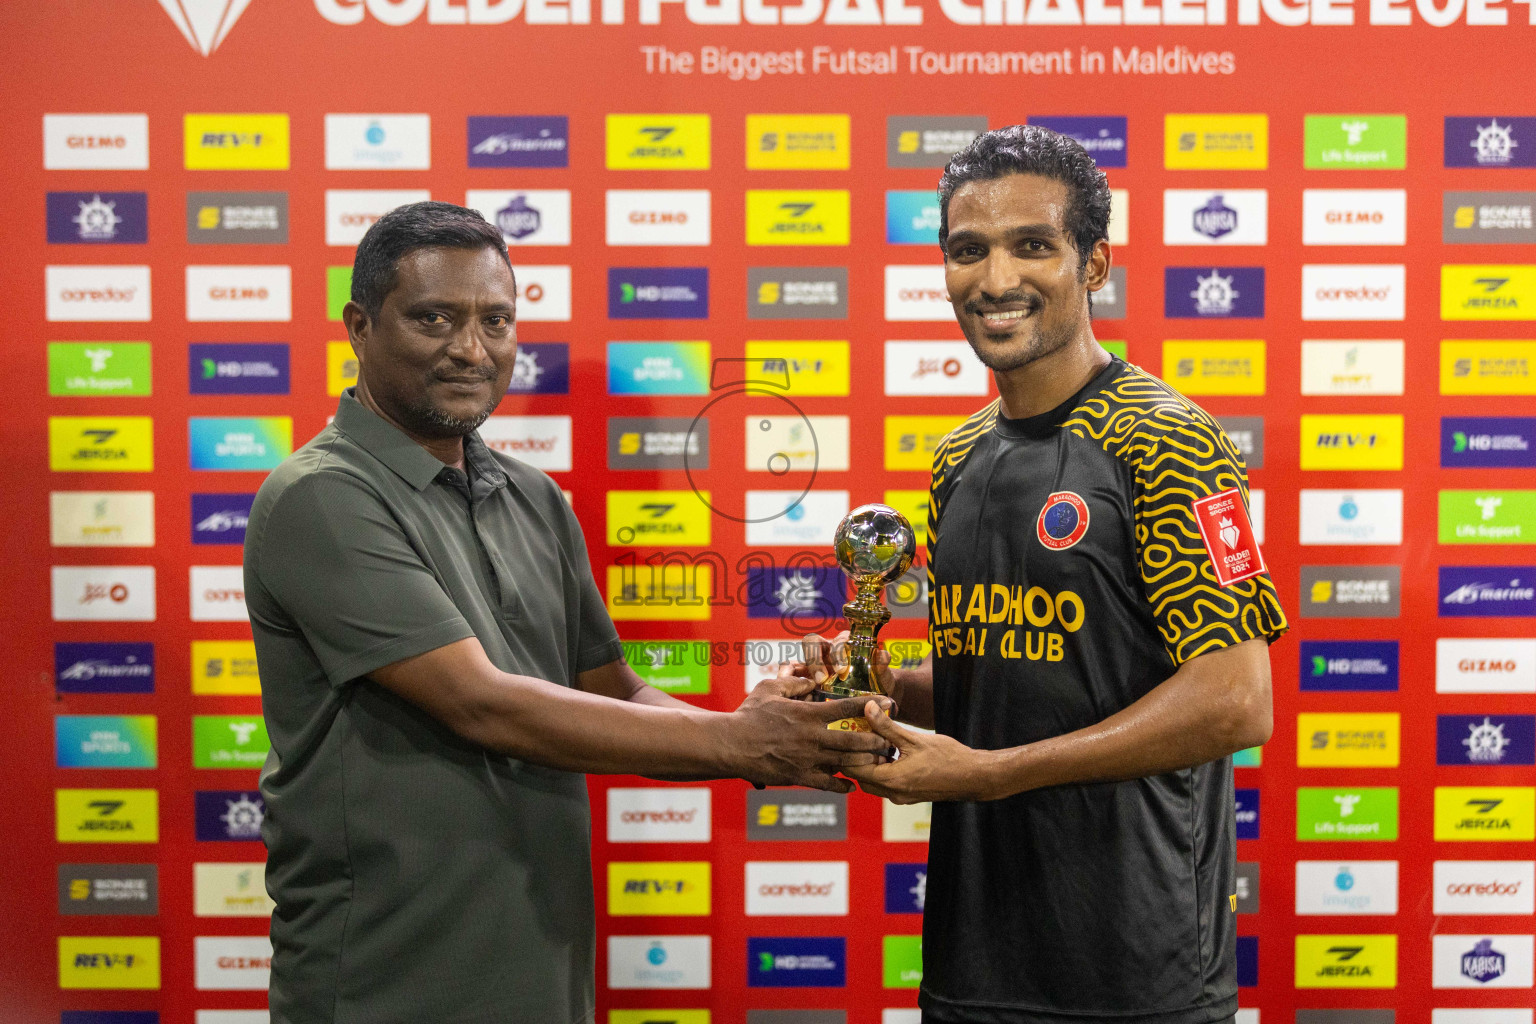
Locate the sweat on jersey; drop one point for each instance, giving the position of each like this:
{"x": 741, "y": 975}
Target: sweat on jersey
{"x": 1076, "y": 559}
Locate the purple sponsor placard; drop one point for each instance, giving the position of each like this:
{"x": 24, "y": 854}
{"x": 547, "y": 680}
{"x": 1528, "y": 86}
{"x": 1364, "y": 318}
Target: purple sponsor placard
{"x": 519, "y": 141}
{"x": 1488, "y": 442}
{"x": 98, "y": 218}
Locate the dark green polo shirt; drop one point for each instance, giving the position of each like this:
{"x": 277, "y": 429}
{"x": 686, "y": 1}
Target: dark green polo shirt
{"x": 418, "y": 877}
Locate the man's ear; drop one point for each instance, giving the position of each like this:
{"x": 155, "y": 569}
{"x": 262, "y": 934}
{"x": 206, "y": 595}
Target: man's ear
{"x": 358, "y": 326}
{"x": 1096, "y": 270}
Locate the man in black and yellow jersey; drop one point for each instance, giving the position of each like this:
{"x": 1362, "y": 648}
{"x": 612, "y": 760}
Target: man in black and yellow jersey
{"x": 1100, "y": 616}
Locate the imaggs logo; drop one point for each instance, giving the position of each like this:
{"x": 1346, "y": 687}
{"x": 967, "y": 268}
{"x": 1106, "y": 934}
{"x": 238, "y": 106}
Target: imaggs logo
{"x": 205, "y": 23}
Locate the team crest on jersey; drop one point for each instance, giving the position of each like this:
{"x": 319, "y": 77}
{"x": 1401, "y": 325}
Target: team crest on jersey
{"x": 1063, "y": 521}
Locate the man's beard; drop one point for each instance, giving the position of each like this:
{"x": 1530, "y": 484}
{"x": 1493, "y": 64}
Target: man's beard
{"x": 1037, "y": 345}
{"x": 426, "y": 420}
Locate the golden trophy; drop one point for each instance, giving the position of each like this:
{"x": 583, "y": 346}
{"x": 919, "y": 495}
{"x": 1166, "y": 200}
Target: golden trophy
{"x": 874, "y": 545}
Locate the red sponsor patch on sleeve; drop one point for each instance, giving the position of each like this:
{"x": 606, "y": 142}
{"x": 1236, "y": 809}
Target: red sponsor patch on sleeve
{"x": 1228, "y": 536}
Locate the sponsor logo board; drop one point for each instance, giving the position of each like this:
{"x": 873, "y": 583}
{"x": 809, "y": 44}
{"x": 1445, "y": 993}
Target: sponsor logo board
{"x": 225, "y": 667}
{"x": 1109, "y": 301}
{"x": 665, "y": 142}
{"x": 109, "y": 889}
{"x": 797, "y": 293}
{"x": 1352, "y": 367}
{"x": 1247, "y": 433}
{"x": 109, "y": 962}
{"x": 217, "y": 593}
{"x": 813, "y": 593}
{"x": 659, "y": 593}
{"x": 905, "y": 823}
{"x": 98, "y": 368}
{"x": 796, "y": 962}
{"x": 237, "y": 369}
{"x": 1346, "y": 961}
{"x": 1351, "y": 517}
{"x": 1349, "y": 665}
{"x": 1355, "y": 142}
{"x": 105, "y": 741}
{"x": 1215, "y": 367}
{"x": 1246, "y": 886}
{"x": 1487, "y": 665}
{"x": 220, "y": 518}
{"x": 792, "y": 814}
{"x": 79, "y": 293}
{"x": 96, "y": 142}
{"x": 1488, "y": 814}
{"x": 901, "y": 961}
{"x": 1487, "y": 517}
{"x": 235, "y": 142}
{"x": 101, "y": 444}
{"x": 1346, "y": 887}
{"x": 658, "y": 367}
{"x": 928, "y": 141}
{"x": 231, "y": 962}
{"x": 934, "y": 368}
{"x": 98, "y": 218}
{"x": 543, "y": 293}
{"x": 658, "y": 961}
{"x": 1247, "y": 812}
{"x": 797, "y": 888}
{"x": 378, "y": 142}
{"x": 911, "y": 218}
{"x": 540, "y": 368}
{"x": 230, "y": 889}
{"x": 223, "y": 815}
{"x": 658, "y": 888}
{"x": 806, "y": 142}
{"x": 1358, "y": 814}
{"x": 658, "y": 293}
{"x": 1338, "y": 291}
{"x": 229, "y": 741}
{"x": 660, "y": 815}
{"x": 1214, "y": 293}
{"x": 1354, "y": 216}
{"x": 526, "y": 217}
{"x": 1487, "y": 367}
{"x": 669, "y": 442}
{"x": 1488, "y": 218}
{"x": 1235, "y": 216}
{"x": 1476, "y": 887}
{"x": 658, "y": 518}
{"x": 101, "y": 519}
{"x": 910, "y": 441}
{"x": 1481, "y": 961}
{"x": 658, "y": 216}
{"x": 906, "y": 888}
{"x": 800, "y": 518}
{"x": 1216, "y": 141}
{"x": 917, "y": 293}
{"x": 1468, "y": 442}
{"x": 1348, "y": 740}
{"x": 106, "y": 815}
{"x": 237, "y": 218}
{"x": 670, "y": 666}
{"x": 1488, "y": 291}
{"x": 103, "y": 593}
{"x": 778, "y": 444}
{"x": 349, "y": 213}
{"x": 1103, "y": 137}
{"x": 239, "y": 294}
{"x": 543, "y": 442}
{"x": 797, "y": 217}
{"x": 810, "y": 367}
{"x": 1490, "y": 141}
{"x": 1351, "y": 591}
{"x": 1484, "y": 591}
{"x": 1352, "y": 441}
{"x": 104, "y": 667}
{"x": 537, "y": 141}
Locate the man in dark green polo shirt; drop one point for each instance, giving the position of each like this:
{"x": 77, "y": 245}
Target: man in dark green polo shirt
{"x": 438, "y": 668}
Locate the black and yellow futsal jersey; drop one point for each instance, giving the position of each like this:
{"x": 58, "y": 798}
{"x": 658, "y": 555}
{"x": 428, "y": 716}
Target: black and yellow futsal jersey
{"x": 1076, "y": 559}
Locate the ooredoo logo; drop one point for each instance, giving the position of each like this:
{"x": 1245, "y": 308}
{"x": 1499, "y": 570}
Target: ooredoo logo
{"x": 644, "y": 815}
{"x": 797, "y": 888}
{"x": 218, "y": 593}
{"x": 1485, "y": 886}
{"x": 916, "y": 293}
{"x": 1352, "y": 292}
{"x": 349, "y": 213}
{"x": 98, "y": 293}
{"x": 543, "y": 442}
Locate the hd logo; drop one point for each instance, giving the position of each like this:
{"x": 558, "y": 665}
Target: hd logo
{"x": 665, "y": 142}
{"x": 1346, "y": 961}
{"x": 1488, "y": 292}
{"x": 650, "y": 888}
{"x": 797, "y": 217}
{"x": 658, "y": 519}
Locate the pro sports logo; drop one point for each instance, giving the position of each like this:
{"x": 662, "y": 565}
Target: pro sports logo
{"x": 1228, "y": 535}
{"x": 1063, "y": 520}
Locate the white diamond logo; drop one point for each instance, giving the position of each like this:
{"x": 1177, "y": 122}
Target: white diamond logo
{"x": 205, "y": 23}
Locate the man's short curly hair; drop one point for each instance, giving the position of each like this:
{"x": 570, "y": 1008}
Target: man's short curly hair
{"x": 403, "y": 230}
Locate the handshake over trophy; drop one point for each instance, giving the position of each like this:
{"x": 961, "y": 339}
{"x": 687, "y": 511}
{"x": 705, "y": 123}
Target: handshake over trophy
{"x": 874, "y": 545}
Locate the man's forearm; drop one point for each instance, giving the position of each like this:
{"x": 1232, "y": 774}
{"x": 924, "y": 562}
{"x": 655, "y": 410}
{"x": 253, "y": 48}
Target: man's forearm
{"x": 912, "y": 690}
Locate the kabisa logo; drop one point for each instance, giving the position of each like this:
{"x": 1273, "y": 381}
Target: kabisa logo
{"x": 220, "y": 518}
{"x": 1215, "y": 219}
{"x": 229, "y": 815}
{"x": 658, "y": 293}
{"x": 238, "y": 369}
{"x": 1487, "y": 590}
{"x": 1493, "y": 141}
{"x": 1468, "y": 442}
{"x": 796, "y": 962}
{"x": 1213, "y": 292}
{"x": 1482, "y": 963}
{"x": 527, "y": 216}
{"x": 1103, "y": 137}
{"x": 204, "y": 23}
{"x": 517, "y": 219}
{"x": 1063, "y": 520}
{"x": 1349, "y": 665}
{"x": 1238, "y": 216}
{"x": 91, "y": 218}
{"x": 519, "y": 141}
{"x": 541, "y": 368}
{"x": 1485, "y": 739}
{"x": 104, "y": 667}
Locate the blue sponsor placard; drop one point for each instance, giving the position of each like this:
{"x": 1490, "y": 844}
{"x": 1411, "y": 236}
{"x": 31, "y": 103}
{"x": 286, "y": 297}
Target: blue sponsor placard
{"x": 1247, "y": 813}
{"x": 98, "y": 218}
{"x": 658, "y": 368}
{"x": 1349, "y": 665}
{"x": 109, "y": 1017}
{"x": 220, "y": 518}
{"x": 658, "y": 293}
{"x": 253, "y": 368}
{"x": 542, "y": 368}
{"x": 796, "y": 595}
{"x": 1490, "y": 141}
{"x": 104, "y": 668}
{"x": 796, "y": 963}
{"x": 1488, "y": 442}
{"x": 1247, "y": 961}
{"x": 1213, "y": 293}
{"x": 1485, "y": 739}
{"x": 1103, "y": 137}
{"x": 238, "y": 442}
{"x": 1487, "y": 591}
{"x": 229, "y": 815}
{"x": 906, "y": 888}
{"x": 912, "y": 218}
{"x": 519, "y": 141}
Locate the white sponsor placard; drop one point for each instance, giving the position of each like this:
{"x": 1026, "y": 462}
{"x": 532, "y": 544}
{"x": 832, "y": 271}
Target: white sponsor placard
{"x": 239, "y": 294}
{"x": 350, "y": 212}
{"x": 1479, "y": 960}
{"x": 658, "y": 216}
{"x": 230, "y": 889}
{"x": 778, "y": 444}
{"x": 232, "y": 962}
{"x": 934, "y": 368}
{"x": 101, "y": 294}
{"x": 658, "y": 961}
{"x": 218, "y": 593}
{"x": 1485, "y": 665}
{"x": 808, "y": 888}
{"x": 1256, "y": 507}
{"x": 917, "y": 293}
{"x": 659, "y": 815}
{"x": 543, "y": 442}
{"x": 1119, "y": 216}
{"x": 1234, "y": 216}
{"x": 905, "y": 823}
{"x": 1351, "y": 517}
{"x": 893, "y": 1016}
{"x": 1505, "y": 1016}
{"x": 233, "y": 1017}
{"x": 378, "y": 142}
{"x": 80, "y": 519}
{"x": 526, "y": 217}
{"x": 1246, "y": 1017}
{"x": 784, "y": 518}
{"x": 1354, "y": 216}
{"x": 1485, "y": 886}
{"x": 1352, "y": 291}
{"x": 543, "y": 293}
{"x": 763, "y": 657}
{"x": 103, "y": 593}
{"x": 1352, "y": 367}
{"x": 95, "y": 142}
{"x": 1346, "y": 887}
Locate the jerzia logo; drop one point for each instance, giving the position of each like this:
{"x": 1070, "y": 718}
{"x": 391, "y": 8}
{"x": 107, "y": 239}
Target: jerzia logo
{"x": 205, "y": 23}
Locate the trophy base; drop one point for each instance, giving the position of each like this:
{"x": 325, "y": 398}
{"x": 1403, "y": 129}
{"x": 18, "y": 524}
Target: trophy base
{"x": 833, "y": 689}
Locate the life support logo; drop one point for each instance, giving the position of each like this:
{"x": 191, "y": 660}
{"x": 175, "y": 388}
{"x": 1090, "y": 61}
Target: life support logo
{"x": 1063, "y": 521}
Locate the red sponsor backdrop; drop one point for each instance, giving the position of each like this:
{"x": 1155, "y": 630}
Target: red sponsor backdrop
{"x": 283, "y": 56}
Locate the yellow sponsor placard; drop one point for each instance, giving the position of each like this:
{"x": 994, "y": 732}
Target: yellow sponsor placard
{"x": 1348, "y": 740}
{"x": 658, "y": 888}
{"x": 913, "y": 505}
{"x": 340, "y": 367}
{"x": 106, "y": 815}
{"x": 658, "y": 1017}
{"x": 910, "y": 441}
{"x": 1215, "y": 367}
{"x": 109, "y": 961}
{"x": 658, "y": 519}
{"x": 225, "y": 667}
{"x": 674, "y": 591}
{"x": 230, "y": 889}
{"x": 1485, "y": 814}
{"x": 813, "y": 367}
{"x": 101, "y": 444}
{"x": 1230, "y": 142}
{"x": 662, "y": 142}
{"x": 236, "y": 142}
{"x": 1352, "y": 442}
{"x": 797, "y": 142}
{"x": 1488, "y": 367}
{"x": 1346, "y": 961}
{"x": 778, "y": 216}
{"x": 1488, "y": 291}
